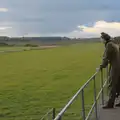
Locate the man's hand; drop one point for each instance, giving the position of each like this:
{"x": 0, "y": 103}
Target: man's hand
{"x": 101, "y": 66}
{"x": 117, "y": 95}
{"x": 97, "y": 69}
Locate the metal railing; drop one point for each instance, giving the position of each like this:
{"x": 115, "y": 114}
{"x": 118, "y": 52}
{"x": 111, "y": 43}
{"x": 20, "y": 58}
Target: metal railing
{"x": 50, "y": 115}
{"x": 94, "y": 106}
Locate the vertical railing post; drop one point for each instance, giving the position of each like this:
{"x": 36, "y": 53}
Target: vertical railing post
{"x": 48, "y": 116}
{"x": 95, "y": 98}
{"x": 53, "y": 114}
{"x": 60, "y": 118}
{"x": 107, "y": 76}
{"x": 107, "y": 70}
{"x": 102, "y": 87}
{"x": 83, "y": 104}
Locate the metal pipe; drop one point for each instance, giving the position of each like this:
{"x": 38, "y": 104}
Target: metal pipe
{"x": 101, "y": 90}
{"x": 46, "y": 114}
{"x": 107, "y": 76}
{"x": 74, "y": 97}
{"x": 53, "y": 114}
{"x": 90, "y": 111}
{"x": 95, "y": 98}
{"x": 102, "y": 87}
{"x": 83, "y": 105}
{"x": 87, "y": 117}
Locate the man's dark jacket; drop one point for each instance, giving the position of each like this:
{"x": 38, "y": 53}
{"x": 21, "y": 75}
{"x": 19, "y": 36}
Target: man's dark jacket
{"x": 112, "y": 56}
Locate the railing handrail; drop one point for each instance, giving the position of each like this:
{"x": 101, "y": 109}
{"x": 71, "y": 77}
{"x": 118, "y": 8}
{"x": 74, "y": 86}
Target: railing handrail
{"x": 75, "y": 96}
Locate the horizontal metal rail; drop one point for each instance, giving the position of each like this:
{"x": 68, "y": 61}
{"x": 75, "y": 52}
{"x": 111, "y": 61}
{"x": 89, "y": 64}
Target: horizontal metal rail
{"x": 74, "y": 97}
{"x": 94, "y": 102}
{"x": 81, "y": 90}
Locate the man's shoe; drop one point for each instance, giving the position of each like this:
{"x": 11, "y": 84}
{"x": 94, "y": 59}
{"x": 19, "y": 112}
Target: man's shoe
{"x": 108, "y": 107}
{"x": 117, "y": 105}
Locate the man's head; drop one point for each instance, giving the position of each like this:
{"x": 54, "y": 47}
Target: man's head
{"x": 105, "y": 37}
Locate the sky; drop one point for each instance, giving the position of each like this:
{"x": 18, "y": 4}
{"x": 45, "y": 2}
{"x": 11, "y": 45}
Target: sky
{"x": 70, "y": 18}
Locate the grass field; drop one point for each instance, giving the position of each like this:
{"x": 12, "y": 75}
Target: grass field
{"x": 31, "y": 82}
{"x": 11, "y": 48}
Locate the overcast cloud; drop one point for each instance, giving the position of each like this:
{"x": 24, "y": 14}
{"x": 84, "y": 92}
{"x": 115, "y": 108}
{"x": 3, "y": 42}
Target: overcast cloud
{"x": 72, "y": 18}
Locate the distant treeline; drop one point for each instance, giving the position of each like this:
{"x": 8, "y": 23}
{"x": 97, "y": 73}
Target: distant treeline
{"x": 36, "y": 41}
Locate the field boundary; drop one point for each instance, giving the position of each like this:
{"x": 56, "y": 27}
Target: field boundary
{"x": 28, "y": 49}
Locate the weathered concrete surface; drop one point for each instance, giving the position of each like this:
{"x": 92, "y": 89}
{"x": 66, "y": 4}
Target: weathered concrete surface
{"x": 110, "y": 114}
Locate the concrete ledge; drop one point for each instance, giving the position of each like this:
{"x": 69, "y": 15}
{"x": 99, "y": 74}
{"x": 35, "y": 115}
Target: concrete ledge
{"x": 110, "y": 114}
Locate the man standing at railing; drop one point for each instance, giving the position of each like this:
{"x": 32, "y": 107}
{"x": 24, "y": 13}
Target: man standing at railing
{"x": 116, "y": 40}
{"x": 111, "y": 56}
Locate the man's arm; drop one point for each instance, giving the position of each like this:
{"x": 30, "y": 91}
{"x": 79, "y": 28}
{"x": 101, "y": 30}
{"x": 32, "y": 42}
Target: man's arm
{"x": 104, "y": 63}
{"x": 106, "y": 56}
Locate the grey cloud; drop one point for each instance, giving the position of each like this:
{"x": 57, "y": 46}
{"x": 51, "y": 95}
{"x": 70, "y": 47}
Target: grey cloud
{"x": 56, "y": 16}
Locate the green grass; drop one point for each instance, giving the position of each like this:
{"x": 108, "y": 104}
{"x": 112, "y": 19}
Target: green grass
{"x": 11, "y": 48}
{"x": 31, "y": 82}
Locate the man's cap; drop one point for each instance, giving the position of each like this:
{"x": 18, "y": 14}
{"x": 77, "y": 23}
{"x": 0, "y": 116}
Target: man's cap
{"x": 105, "y": 36}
